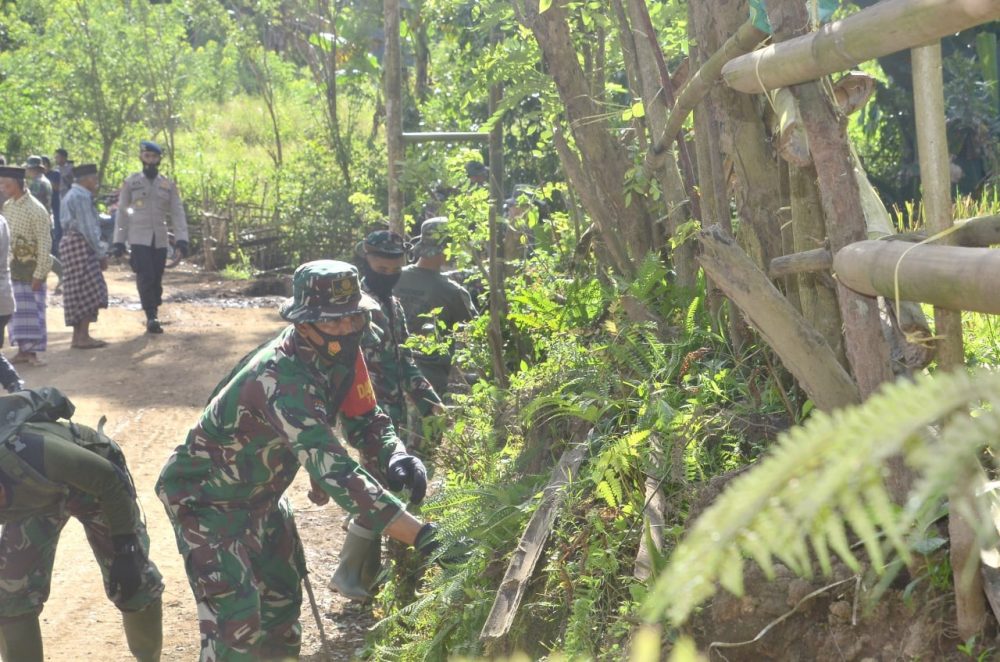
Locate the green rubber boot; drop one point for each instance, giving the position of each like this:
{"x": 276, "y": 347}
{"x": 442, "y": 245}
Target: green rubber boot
{"x": 21, "y": 640}
{"x": 144, "y": 631}
{"x": 360, "y": 561}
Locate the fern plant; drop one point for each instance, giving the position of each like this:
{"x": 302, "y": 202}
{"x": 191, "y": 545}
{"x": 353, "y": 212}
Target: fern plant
{"x": 830, "y": 474}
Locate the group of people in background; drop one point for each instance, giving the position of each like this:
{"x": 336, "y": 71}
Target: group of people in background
{"x": 50, "y": 223}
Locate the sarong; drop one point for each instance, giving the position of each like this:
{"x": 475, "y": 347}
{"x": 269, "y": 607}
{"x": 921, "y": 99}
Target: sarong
{"x": 27, "y": 325}
{"x": 84, "y": 289}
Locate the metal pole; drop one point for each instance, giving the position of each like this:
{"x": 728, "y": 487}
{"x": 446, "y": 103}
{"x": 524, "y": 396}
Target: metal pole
{"x": 393, "y": 113}
{"x": 935, "y": 179}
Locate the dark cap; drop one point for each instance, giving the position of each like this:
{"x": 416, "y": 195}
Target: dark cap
{"x": 84, "y": 169}
{"x": 150, "y": 146}
{"x": 12, "y": 172}
{"x": 325, "y": 290}
{"x": 476, "y": 169}
{"x": 386, "y": 243}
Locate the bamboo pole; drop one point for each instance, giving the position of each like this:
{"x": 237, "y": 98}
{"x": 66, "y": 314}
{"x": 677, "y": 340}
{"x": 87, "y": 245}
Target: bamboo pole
{"x": 887, "y": 27}
{"x": 817, "y": 259}
{"x": 497, "y": 297}
{"x": 949, "y": 277}
{"x": 395, "y": 151}
{"x": 743, "y": 41}
{"x": 935, "y": 179}
{"x": 445, "y": 136}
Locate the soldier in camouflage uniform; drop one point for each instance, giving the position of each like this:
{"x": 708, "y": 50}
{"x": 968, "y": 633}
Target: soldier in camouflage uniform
{"x": 394, "y": 373}
{"x": 274, "y": 412}
{"x": 51, "y": 470}
{"x": 422, "y": 289}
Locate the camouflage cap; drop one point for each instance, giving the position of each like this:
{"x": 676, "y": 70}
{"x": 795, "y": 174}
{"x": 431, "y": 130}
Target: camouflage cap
{"x": 33, "y": 161}
{"x": 433, "y": 237}
{"x": 385, "y": 242}
{"x": 325, "y": 290}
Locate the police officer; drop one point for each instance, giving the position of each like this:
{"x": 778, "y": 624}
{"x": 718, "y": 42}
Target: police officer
{"x": 223, "y": 488}
{"x": 148, "y": 201}
{"x": 51, "y": 470}
{"x": 422, "y": 288}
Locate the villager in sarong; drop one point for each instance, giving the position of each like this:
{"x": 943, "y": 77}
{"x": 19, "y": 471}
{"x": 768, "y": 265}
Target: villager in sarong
{"x": 83, "y": 258}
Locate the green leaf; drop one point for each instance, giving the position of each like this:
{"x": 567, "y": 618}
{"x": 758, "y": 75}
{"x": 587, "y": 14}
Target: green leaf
{"x": 543, "y": 6}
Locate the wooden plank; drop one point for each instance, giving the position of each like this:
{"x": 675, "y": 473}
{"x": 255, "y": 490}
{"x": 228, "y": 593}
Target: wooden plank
{"x": 884, "y": 28}
{"x": 801, "y": 347}
{"x": 950, "y": 277}
{"x": 529, "y": 548}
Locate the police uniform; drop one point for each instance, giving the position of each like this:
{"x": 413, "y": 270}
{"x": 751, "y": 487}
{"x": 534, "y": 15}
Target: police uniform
{"x": 145, "y": 208}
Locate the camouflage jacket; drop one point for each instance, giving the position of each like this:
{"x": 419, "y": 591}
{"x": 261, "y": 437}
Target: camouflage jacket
{"x": 393, "y": 371}
{"x": 272, "y": 414}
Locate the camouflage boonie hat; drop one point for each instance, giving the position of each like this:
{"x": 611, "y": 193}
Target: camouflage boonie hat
{"x": 325, "y": 290}
{"x": 433, "y": 237}
{"x": 385, "y": 242}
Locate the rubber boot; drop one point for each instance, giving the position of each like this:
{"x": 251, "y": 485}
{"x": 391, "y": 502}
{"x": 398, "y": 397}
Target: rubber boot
{"x": 144, "y": 631}
{"x": 355, "y": 574}
{"x": 21, "y": 640}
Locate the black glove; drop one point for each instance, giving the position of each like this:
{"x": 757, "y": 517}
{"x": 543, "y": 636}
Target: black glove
{"x": 181, "y": 247}
{"x": 428, "y": 544}
{"x": 118, "y": 249}
{"x": 408, "y": 471}
{"x": 127, "y": 566}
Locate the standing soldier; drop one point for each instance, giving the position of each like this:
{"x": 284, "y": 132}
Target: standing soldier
{"x": 393, "y": 371}
{"x": 422, "y": 288}
{"x": 223, "y": 488}
{"x": 148, "y": 201}
{"x": 38, "y": 184}
{"x": 31, "y": 243}
{"x": 49, "y": 471}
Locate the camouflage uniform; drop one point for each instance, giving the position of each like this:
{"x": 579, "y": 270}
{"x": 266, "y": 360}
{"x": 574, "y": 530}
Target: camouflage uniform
{"x": 393, "y": 371}
{"x": 223, "y": 487}
{"x": 51, "y": 471}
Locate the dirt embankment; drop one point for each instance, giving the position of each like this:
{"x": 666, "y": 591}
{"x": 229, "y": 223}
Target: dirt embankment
{"x": 152, "y": 388}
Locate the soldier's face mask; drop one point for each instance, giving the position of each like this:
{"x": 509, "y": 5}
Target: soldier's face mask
{"x": 381, "y": 273}
{"x": 338, "y": 339}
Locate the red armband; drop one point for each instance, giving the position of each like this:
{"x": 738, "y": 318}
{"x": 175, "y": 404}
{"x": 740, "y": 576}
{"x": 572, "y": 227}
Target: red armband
{"x": 361, "y": 397}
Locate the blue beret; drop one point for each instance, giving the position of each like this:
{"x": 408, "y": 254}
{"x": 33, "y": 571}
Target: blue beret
{"x": 149, "y": 145}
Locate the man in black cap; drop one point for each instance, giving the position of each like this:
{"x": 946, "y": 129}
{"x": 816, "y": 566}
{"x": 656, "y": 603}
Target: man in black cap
{"x": 83, "y": 259}
{"x": 147, "y": 203}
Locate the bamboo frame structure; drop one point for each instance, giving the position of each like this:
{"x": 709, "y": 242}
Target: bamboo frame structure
{"x": 884, "y": 28}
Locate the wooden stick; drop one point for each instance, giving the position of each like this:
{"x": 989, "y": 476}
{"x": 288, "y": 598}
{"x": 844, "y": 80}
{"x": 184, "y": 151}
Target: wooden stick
{"x": 445, "y": 136}
{"x": 529, "y": 548}
{"x": 802, "y": 349}
{"x": 887, "y": 27}
{"x": 950, "y": 277}
{"x": 818, "y": 259}
{"x": 395, "y": 150}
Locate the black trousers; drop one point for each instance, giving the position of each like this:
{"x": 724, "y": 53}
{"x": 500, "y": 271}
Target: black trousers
{"x": 148, "y": 263}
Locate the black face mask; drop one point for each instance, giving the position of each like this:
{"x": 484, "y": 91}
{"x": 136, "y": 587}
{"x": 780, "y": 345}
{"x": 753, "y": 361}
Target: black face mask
{"x": 151, "y": 170}
{"x": 341, "y": 349}
{"x": 380, "y": 284}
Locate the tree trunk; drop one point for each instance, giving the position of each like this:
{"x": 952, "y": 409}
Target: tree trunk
{"x": 602, "y": 156}
{"x": 393, "y": 85}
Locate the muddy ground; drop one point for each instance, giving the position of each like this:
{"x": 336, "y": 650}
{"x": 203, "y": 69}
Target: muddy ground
{"x": 152, "y": 388}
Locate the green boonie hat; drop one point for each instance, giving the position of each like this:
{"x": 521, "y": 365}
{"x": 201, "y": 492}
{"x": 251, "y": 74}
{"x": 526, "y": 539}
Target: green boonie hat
{"x": 385, "y": 242}
{"x": 433, "y": 237}
{"x": 325, "y": 290}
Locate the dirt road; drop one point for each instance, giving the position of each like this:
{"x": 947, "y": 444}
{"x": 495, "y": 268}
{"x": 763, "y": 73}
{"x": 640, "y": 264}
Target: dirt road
{"x": 152, "y": 388}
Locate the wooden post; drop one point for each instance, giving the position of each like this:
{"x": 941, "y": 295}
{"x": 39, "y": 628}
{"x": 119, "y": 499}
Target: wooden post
{"x": 802, "y": 349}
{"x": 886, "y": 27}
{"x": 393, "y": 80}
{"x": 935, "y": 179}
{"x": 497, "y": 298}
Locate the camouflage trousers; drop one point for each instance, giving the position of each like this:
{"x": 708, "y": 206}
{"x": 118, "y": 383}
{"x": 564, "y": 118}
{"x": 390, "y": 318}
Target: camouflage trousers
{"x": 28, "y": 550}
{"x": 248, "y": 588}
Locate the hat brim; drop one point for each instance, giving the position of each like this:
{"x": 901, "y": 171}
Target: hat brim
{"x": 293, "y": 313}
{"x": 420, "y": 249}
